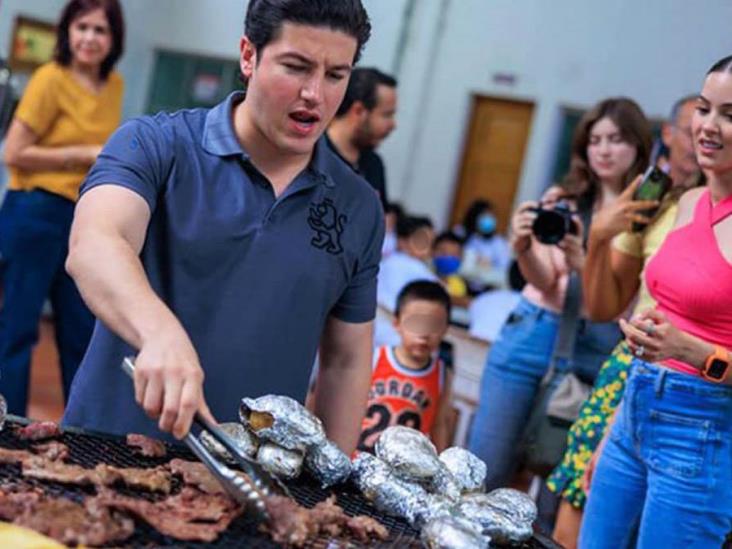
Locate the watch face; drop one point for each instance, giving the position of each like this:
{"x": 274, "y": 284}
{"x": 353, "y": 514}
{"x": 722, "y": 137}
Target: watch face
{"x": 717, "y": 369}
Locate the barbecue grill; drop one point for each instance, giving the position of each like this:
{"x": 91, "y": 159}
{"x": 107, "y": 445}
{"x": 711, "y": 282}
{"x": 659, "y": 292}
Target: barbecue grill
{"x": 89, "y": 449}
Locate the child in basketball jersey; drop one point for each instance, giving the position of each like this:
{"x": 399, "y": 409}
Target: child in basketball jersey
{"x": 410, "y": 384}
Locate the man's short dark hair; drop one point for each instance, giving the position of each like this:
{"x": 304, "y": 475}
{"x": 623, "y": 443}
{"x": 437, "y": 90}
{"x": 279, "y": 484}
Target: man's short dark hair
{"x": 362, "y": 87}
{"x": 265, "y": 18}
{"x": 77, "y": 8}
{"x": 676, "y": 109}
{"x": 425, "y": 290}
{"x": 407, "y": 225}
{"x": 448, "y": 236}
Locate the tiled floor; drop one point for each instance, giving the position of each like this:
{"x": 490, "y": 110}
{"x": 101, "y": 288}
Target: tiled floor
{"x": 46, "y": 398}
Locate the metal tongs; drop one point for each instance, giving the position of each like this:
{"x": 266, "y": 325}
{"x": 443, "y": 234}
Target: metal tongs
{"x": 248, "y": 492}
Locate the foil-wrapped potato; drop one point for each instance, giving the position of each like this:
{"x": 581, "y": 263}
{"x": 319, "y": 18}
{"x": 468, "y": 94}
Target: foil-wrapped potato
{"x": 328, "y": 463}
{"x": 388, "y": 493}
{"x": 408, "y": 453}
{"x": 280, "y": 461}
{"x": 502, "y": 523}
{"x": 245, "y": 441}
{"x": 468, "y": 469}
{"x": 445, "y": 484}
{"x": 513, "y": 503}
{"x": 282, "y": 420}
{"x": 449, "y": 532}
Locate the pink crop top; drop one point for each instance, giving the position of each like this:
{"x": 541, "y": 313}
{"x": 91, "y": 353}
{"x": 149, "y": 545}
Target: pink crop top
{"x": 691, "y": 280}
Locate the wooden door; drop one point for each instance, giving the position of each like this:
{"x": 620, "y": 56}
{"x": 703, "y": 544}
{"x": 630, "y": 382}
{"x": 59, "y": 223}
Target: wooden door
{"x": 493, "y": 156}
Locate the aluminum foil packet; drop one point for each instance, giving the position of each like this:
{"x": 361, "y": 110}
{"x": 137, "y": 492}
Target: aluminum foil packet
{"x": 513, "y": 503}
{"x": 452, "y": 533}
{"x": 3, "y": 411}
{"x": 500, "y": 525}
{"x": 282, "y": 420}
{"x": 409, "y": 453}
{"x": 445, "y": 484}
{"x": 386, "y": 491}
{"x": 468, "y": 469}
{"x": 245, "y": 441}
{"x": 280, "y": 461}
{"x": 328, "y": 463}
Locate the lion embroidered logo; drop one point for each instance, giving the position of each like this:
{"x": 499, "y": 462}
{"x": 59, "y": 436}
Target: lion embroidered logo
{"x": 328, "y": 225}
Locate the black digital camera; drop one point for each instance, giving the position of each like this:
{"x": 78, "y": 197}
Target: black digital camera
{"x": 552, "y": 225}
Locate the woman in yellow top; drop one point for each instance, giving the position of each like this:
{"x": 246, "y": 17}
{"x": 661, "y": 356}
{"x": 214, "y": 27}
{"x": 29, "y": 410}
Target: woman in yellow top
{"x": 69, "y": 109}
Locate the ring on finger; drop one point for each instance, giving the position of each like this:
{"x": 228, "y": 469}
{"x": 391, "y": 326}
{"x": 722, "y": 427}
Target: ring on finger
{"x": 650, "y": 329}
{"x": 639, "y": 351}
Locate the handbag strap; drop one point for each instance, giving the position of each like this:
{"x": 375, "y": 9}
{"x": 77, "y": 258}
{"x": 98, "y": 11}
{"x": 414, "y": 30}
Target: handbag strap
{"x": 563, "y": 352}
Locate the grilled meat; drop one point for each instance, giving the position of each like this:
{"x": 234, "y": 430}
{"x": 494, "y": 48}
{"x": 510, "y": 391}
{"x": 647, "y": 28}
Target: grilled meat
{"x": 39, "y": 430}
{"x": 146, "y": 446}
{"x": 53, "y": 450}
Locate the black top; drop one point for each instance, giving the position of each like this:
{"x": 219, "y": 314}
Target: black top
{"x": 370, "y": 166}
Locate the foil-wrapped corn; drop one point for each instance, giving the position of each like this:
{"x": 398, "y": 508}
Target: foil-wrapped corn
{"x": 468, "y": 469}
{"x": 502, "y": 523}
{"x": 280, "y": 461}
{"x": 245, "y": 441}
{"x": 452, "y": 533}
{"x": 409, "y": 453}
{"x": 328, "y": 463}
{"x": 282, "y": 420}
{"x": 386, "y": 491}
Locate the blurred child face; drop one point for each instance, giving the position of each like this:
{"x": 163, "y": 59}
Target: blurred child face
{"x": 419, "y": 245}
{"x": 422, "y": 325}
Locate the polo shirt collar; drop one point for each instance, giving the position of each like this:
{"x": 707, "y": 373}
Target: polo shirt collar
{"x": 220, "y": 139}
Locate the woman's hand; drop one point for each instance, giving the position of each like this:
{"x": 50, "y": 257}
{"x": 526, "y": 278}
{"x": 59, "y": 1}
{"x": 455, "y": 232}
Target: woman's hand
{"x": 572, "y": 246}
{"x": 619, "y": 216}
{"x": 652, "y": 337}
{"x": 521, "y": 223}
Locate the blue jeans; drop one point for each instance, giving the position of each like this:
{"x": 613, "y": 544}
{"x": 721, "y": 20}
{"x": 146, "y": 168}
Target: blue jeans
{"x": 514, "y": 369}
{"x": 666, "y": 466}
{"x": 34, "y": 234}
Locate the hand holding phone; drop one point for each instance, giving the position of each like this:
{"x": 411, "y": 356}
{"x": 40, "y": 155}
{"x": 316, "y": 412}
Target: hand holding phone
{"x": 656, "y": 183}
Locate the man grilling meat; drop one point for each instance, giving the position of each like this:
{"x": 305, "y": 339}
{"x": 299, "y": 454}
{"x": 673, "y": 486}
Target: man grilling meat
{"x": 224, "y": 246}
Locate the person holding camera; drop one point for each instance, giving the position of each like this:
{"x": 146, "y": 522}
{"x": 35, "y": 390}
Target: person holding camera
{"x": 610, "y": 148}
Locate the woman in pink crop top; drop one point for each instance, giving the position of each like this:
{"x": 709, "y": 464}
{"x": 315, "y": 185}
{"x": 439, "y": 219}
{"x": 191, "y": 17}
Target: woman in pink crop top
{"x": 666, "y": 469}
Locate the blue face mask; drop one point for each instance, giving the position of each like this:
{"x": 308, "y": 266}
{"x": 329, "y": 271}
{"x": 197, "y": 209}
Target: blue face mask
{"x": 487, "y": 224}
{"x": 445, "y": 265}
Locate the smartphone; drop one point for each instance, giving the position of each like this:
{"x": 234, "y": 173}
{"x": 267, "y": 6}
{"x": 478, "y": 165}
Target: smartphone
{"x": 656, "y": 183}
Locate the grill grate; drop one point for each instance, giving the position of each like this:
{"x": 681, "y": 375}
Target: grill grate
{"x": 89, "y": 449}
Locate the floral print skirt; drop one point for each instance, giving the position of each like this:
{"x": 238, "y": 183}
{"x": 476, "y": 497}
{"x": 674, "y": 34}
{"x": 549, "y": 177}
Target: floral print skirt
{"x": 587, "y": 432}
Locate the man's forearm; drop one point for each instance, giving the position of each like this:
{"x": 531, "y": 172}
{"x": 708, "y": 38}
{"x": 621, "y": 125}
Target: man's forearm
{"x": 341, "y": 391}
{"x": 112, "y": 281}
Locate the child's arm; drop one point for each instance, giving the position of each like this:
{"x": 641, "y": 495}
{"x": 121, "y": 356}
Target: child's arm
{"x": 441, "y": 429}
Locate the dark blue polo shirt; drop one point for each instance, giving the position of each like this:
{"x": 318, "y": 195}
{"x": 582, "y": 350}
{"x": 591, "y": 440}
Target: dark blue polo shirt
{"x": 251, "y": 277}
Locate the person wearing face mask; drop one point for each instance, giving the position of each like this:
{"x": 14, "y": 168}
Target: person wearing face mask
{"x": 447, "y": 256}
{"x": 611, "y": 147}
{"x": 487, "y": 253}
{"x": 69, "y": 109}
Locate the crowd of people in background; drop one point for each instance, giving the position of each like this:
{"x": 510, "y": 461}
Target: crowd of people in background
{"x": 648, "y": 459}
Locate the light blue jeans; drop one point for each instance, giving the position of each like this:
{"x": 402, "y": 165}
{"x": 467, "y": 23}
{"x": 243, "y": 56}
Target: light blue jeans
{"x": 514, "y": 369}
{"x": 666, "y": 467}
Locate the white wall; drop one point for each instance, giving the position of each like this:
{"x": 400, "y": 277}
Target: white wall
{"x": 566, "y": 52}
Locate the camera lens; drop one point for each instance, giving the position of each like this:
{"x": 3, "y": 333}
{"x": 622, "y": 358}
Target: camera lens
{"x": 549, "y": 226}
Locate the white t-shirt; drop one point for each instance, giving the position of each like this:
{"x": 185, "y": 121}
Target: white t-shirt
{"x": 395, "y": 272}
{"x": 489, "y": 311}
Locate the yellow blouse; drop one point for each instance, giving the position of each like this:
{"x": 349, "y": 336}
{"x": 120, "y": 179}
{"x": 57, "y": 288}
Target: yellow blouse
{"x": 62, "y": 112}
{"x": 643, "y": 245}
